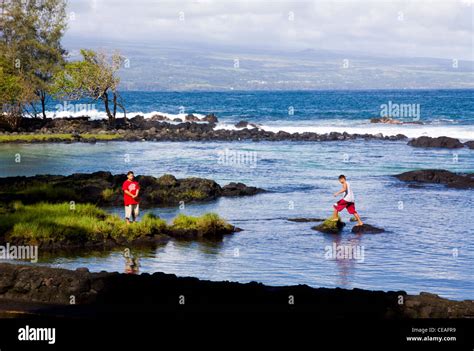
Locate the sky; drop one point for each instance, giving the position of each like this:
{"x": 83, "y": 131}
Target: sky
{"x": 439, "y": 29}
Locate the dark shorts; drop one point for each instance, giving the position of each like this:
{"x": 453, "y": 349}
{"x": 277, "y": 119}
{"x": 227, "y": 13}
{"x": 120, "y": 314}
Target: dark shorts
{"x": 343, "y": 204}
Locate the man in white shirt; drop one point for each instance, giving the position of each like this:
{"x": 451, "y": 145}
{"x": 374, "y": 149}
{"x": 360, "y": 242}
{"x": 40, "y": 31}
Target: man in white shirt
{"x": 347, "y": 202}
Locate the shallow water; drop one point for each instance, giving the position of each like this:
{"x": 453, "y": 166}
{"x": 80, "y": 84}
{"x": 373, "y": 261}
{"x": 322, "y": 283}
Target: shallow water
{"x": 427, "y": 246}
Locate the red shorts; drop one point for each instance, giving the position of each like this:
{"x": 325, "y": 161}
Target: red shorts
{"x": 343, "y": 204}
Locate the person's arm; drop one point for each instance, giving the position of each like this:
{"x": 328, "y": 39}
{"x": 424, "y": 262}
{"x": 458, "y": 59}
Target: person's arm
{"x": 343, "y": 190}
{"x": 128, "y": 193}
{"x": 136, "y": 195}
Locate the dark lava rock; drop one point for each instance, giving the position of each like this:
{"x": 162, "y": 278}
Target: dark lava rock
{"x": 242, "y": 124}
{"x": 159, "y": 118}
{"x": 305, "y": 220}
{"x": 157, "y": 128}
{"x": 211, "y": 118}
{"x": 441, "y": 142}
{"x": 103, "y": 188}
{"x": 330, "y": 227}
{"x": 240, "y": 189}
{"x": 96, "y": 292}
{"x": 470, "y": 144}
{"x": 366, "y": 229}
{"x": 439, "y": 176}
{"x": 191, "y": 118}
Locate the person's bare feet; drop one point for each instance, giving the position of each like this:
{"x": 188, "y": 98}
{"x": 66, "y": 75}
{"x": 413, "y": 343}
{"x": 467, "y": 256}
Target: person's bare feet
{"x": 334, "y": 219}
{"x": 359, "y": 224}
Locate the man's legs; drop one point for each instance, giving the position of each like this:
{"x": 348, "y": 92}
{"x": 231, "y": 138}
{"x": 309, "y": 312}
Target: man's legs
{"x": 359, "y": 222}
{"x": 135, "y": 211}
{"x": 128, "y": 213}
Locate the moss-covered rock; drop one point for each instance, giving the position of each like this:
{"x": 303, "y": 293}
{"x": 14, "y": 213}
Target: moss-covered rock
{"x": 330, "y": 226}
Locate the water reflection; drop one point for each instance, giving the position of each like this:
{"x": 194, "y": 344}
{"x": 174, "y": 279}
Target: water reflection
{"x": 346, "y": 254}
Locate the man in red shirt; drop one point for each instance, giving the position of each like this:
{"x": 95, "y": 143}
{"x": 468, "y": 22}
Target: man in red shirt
{"x": 131, "y": 188}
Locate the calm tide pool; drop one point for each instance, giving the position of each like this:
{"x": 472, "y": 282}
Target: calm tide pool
{"x": 428, "y": 244}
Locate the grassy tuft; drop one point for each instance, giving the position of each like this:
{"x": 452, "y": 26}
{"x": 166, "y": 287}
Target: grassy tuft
{"x": 108, "y": 194}
{"x": 206, "y": 225}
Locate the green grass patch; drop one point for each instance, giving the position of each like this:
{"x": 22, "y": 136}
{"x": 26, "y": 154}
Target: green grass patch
{"x": 62, "y": 223}
{"x": 45, "y": 137}
{"x": 27, "y": 137}
{"x": 101, "y": 136}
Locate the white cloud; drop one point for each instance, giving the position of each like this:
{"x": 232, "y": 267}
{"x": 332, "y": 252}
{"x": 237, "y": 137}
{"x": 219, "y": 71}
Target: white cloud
{"x": 399, "y": 28}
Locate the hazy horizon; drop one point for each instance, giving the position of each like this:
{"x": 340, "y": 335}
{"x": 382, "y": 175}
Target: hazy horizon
{"x": 208, "y": 45}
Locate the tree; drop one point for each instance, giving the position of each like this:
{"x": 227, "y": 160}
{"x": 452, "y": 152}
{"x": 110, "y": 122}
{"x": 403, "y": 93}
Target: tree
{"x": 95, "y": 77}
{"x": 32, "y": 31}
{"x": 15, "y": 92}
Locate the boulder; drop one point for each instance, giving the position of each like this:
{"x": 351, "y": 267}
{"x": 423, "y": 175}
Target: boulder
{"x": 330, "y": 227}
{"x": 366, "y": 229}
{"x": 191, "y": 118}
{"x": 439, "y": 176}
{"x": 239, "y": 189}
{"x": 211, "y": 118}
{"x": 470, "y": 144}
{"x": 440, "y": 142}
{"x": 242, "y": 124}
{"x": 159, "y": 118}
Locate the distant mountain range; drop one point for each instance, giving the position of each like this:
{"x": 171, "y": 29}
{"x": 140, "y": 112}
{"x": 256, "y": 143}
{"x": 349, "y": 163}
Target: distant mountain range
{"x": 151, "y": 68}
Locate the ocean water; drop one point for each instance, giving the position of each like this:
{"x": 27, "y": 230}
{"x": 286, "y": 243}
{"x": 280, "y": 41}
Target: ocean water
{"x": 442, "y": 112}
{"x": 428, "y": 244}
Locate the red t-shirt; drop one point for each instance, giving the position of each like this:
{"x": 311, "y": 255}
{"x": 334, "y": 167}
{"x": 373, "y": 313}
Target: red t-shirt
{"x": 132, "y": 187}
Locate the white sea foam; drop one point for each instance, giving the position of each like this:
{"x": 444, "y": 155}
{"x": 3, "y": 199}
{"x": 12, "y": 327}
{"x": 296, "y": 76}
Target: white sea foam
{"x": 95, "y": 114}
{"x": 411, "y": 131}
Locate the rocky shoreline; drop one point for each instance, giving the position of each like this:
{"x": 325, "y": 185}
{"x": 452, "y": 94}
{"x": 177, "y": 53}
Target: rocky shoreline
{"x": 106, "y": 294}
{"x": 104, "y": 189}
{"x": 139, "y": 128}
{"x": 160, "y": 128}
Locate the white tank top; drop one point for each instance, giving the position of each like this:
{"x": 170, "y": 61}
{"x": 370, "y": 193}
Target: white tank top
{"x": 349, "y": 195}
